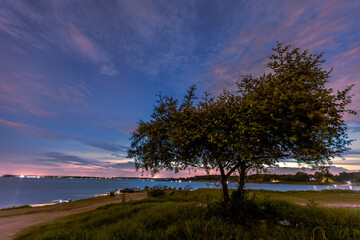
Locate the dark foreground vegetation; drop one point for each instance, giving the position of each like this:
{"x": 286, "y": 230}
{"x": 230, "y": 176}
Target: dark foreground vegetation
{"x": 196, "y": 215}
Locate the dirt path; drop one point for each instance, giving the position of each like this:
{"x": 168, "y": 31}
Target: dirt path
{"x": 16, "y": 220}
{"x": 341, "y": 205}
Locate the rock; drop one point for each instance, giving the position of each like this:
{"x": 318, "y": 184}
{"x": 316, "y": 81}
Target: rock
{"x": 284, "y": 223}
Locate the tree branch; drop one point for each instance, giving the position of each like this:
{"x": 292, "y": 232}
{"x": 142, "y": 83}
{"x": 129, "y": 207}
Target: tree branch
{"x": 233, "y": 169}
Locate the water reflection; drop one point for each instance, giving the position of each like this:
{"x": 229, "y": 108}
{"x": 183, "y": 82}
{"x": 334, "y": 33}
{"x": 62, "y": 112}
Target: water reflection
{"x": 20, "y": 191}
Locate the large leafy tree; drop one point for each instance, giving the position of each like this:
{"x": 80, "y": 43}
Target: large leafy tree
{"x": 287, "y": 113}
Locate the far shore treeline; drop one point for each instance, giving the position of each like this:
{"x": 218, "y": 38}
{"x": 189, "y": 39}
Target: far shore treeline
{"x": 299, "y": 177}
{"x": 317, "y": 177}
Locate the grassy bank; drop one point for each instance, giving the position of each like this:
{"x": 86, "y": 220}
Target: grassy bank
{"x": 196, "y": 215}
{"x": 15, "y": 207}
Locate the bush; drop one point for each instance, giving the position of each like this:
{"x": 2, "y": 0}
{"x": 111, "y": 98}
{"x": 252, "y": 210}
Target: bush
{"x": 156, "y": 191}
{"x": 249, "y": 210}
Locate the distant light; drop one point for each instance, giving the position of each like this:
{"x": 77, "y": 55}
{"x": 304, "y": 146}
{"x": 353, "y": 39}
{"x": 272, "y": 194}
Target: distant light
{"x": 348, "y": 182}
{"x": 179, "y": 180}
{"x": 22, "y": 176}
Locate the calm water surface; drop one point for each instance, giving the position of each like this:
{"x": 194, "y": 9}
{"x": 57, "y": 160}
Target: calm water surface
{"x": 21, "y": 191}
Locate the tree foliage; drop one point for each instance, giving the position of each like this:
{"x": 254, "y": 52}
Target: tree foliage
{"x": 288, "y": 113}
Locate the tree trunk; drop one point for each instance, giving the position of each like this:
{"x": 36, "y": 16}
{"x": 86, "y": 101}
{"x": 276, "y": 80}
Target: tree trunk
{"x": 224, "y": 184}
{"x": 225, "y": 189}
{"x": 242, "y": 180}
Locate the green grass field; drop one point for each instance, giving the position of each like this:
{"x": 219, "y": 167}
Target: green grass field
{"x": 196, "y": 215}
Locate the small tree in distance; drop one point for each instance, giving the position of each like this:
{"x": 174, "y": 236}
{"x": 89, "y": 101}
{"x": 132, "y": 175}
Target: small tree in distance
{"x": 286, "y": 114}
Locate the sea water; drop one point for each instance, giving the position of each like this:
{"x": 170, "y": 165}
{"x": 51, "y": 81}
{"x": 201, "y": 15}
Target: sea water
{"x": 16, "y": 191}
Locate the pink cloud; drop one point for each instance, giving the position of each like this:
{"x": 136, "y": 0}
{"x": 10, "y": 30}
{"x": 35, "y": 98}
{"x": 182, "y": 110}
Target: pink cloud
{"x": 128, "y": 127}
{"x": 119, "y": 126}
{"x": 40, "y": 134}
{"x": 17, "y": 124}
{"x": 84, "y": 44}
{"x": 16, "y": 95}
{"x": 36, "y": 110}
{"x": 46, "y": 30}
{"x": 108, "y": 70}
{"x": 32, "y": 130}
{"x": 305, "y": 24}
{"x": 14, "y": 102}
{"x": 79, "y": 42}
{"x": 36, "y": 94}
{"x": 145, "y": 18}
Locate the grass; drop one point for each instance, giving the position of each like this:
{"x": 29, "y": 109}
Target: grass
{"x": 197, "y": 215}
{"x": 16, "y": 207}
{"x": 302, "y": 197}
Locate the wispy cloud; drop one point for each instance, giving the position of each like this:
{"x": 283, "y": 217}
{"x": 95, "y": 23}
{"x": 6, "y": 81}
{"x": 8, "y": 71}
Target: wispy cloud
{"x": 117, "y": 125}
{"x": 40, "y": 94}
{"x": 56, "y": 159}
{"x": 84, "y": 44}
{"x": 115, "y": 148}
{"x": 124, "y": 165}
{"x": 29, "y": 129}
{"x": 352, "y": 153}
{"x": 354, "y": 126}
{"x": 48, "y": 26}
{"x": 318, "y": 26}
{"x": 109, "y": 70}
{"x": 59, "y": 159}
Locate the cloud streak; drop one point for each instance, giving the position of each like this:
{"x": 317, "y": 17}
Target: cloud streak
{"x": 29, "y": 129}
{"x": 55, "y": 158}
{"x": 111, "y": 147}
{"x": 124, "y": 165}
{"x": 41, "y": 132}
{"x": 40, "y": 95}
{"x": 60, "y": 159}
{"x": 37, "y": 26}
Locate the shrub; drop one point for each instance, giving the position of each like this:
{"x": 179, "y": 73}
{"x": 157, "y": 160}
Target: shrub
{"x": 156, "y": 191}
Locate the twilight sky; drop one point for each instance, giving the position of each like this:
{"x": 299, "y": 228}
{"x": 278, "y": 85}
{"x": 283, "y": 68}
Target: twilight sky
{"x": 76, "y": 76}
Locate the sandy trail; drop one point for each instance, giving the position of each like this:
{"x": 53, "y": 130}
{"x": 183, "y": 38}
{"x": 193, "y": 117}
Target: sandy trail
{"x": 341, "y": 205}
{"x": 16, "y": 220}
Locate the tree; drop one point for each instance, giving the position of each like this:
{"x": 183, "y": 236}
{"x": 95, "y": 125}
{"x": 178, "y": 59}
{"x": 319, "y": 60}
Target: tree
{"x": 287, "y": 113}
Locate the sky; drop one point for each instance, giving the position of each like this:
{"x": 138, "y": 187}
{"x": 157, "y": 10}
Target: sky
{"x": 77, "y": 76}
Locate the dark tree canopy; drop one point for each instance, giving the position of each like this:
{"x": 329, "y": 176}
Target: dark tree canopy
{"x": 285, "y": 114}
